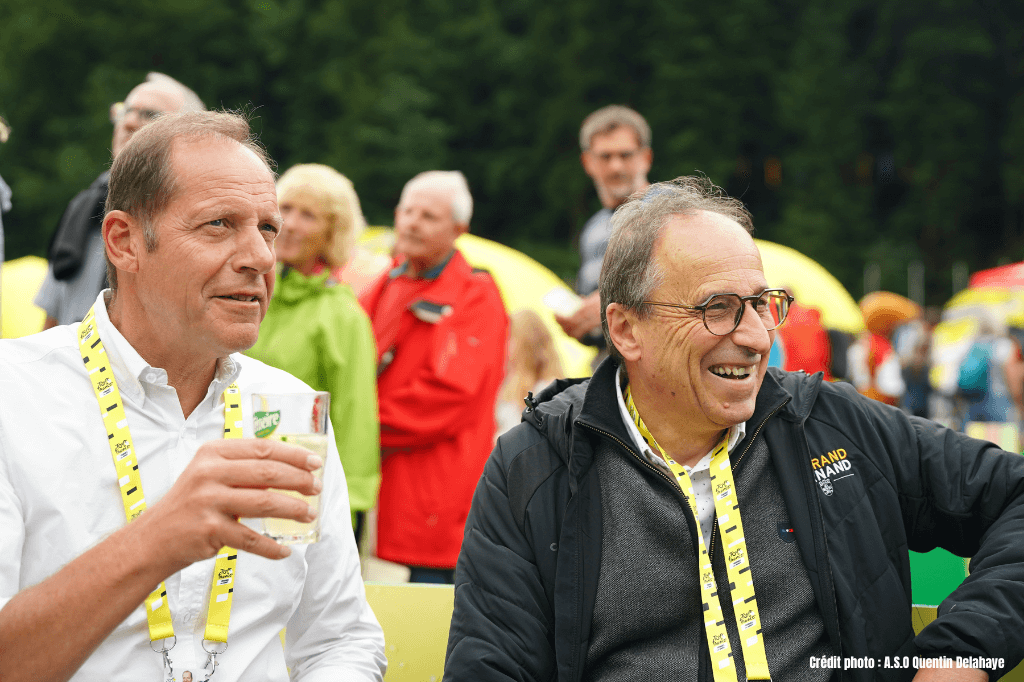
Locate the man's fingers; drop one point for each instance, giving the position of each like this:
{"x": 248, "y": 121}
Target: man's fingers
{"x": 264, "y": 449}
{"x": 252, "y": 542}
{"x": 258, "y": 473}
{"x": 255, "y": 504}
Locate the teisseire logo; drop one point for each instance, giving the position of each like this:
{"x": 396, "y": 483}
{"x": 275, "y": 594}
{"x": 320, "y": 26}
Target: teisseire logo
{"x": 830, "y": 467}
{"x": 265, "y": 423}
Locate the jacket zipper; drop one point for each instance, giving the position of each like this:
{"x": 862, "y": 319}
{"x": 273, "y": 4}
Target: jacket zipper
{"x": 675, "y": 486}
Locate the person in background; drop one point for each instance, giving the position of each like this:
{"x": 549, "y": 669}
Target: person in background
{"x": 533, "y": 363}
{"x": 78, "y": 267}
{"x": 315, "y": 329}
{"x": 982, "y": 389}
{"x": 912, "y": 343}
{"x": 615, "y": 144}
{"x": 441, "y": 333}
{"x": 875, "y": 368}
{"x": 806, "y": 342}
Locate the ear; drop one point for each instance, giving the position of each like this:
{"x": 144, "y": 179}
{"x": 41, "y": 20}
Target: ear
{"x": 623, "y": 331}
{"x": 122, "y": 236}
{"x": 587, "y": 159}
{"x": 461, "y": 229}
{"x": 648, "y": 156}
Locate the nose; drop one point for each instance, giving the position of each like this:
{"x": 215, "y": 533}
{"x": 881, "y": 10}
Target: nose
{"x": 751, "y": 332}
{"x": 254, "y": 252}
{"x": 616, "y": 163}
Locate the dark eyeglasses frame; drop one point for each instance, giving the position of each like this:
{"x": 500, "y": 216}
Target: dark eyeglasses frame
{"x": 739, "y": 314}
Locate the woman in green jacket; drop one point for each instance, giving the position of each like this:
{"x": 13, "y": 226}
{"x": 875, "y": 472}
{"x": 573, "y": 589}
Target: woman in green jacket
{"x": 315, "y": 328}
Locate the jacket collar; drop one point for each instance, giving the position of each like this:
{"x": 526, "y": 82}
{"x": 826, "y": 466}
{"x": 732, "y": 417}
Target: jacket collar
{"x": 291, "y": 286}
{"x": 432, "y": 273}
{"x": 593, "y": 404}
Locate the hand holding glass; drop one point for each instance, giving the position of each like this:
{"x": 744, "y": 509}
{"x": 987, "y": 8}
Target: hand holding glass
{"x": 299, "y": 419}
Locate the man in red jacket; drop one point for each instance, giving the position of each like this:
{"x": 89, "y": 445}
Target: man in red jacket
{"x": 441, "y": 331}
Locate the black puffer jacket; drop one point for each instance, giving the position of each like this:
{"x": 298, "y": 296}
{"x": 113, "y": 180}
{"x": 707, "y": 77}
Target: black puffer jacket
{"x": 527, "y": 576}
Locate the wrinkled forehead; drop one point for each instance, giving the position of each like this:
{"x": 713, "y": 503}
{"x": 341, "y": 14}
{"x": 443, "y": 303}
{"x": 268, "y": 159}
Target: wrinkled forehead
{"x": 706, "y": 253}
{"x": 437, "y": 199}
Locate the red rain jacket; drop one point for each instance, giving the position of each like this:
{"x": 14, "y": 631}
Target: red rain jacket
{"x": 441, "y": 347}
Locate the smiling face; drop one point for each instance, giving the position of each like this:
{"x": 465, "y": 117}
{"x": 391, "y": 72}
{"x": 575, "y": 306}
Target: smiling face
{"x": 617, "y": 164}
{"x": 425, "y": 230}
{"x": 305, "y": 233}
{"x": 203, "y": 291}
{"x": 681, "y": 371}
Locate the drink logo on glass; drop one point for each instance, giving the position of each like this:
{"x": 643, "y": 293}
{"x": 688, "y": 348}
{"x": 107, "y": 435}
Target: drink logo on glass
{"x": 266, "y": 422}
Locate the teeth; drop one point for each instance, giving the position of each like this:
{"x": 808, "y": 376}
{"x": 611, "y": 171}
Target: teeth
{"x": 242, "y": 298}
{"x": 732, "y": 371}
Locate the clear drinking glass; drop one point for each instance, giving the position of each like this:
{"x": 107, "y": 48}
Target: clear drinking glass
{"x": 299, "y": 419}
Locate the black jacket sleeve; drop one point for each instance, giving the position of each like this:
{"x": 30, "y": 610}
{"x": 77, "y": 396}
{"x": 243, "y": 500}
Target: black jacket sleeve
{"x": 967, "y": 496}
{"x": 502, "y": 626}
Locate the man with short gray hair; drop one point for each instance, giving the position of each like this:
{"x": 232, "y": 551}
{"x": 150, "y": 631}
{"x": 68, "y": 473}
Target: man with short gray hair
{"x": 441, "y": 329}
{"x": 615, "y": 149}
{"x": 78, "y": 267}
{"x": 690, "y": 514}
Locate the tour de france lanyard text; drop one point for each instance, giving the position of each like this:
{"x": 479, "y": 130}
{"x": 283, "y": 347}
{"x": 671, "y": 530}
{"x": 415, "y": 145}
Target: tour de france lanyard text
{"x": 744, "y": 604}
{"x": 158, "y": 610}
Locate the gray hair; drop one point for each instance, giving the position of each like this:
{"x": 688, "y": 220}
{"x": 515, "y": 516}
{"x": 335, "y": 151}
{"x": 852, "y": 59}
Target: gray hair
{"x": 629, "y": 274}
{"x": 607, "y": 119}
{"x": 451, "y": 182}
{"x": 190, "y": 100}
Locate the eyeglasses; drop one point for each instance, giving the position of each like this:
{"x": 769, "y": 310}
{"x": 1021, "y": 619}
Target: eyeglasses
{"x": 119, "y": 112}
{"x": 624, "y": 157}
{"x": 722, "y": 312}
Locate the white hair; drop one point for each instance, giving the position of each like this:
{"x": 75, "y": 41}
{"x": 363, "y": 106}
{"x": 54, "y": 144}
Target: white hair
{"x": 450, "y": 182}
{"x": 191, "y": 101}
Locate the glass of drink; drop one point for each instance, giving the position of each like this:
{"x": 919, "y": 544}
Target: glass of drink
{"x": 299, "y": 419}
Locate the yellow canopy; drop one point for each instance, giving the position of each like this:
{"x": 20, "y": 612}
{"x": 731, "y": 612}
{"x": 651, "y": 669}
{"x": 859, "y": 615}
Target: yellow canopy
{"x": 522, "y": 281}
{"x": 954, "y": 335}
{"x": 812, "y": 285}
{"x": 19, "y": 283}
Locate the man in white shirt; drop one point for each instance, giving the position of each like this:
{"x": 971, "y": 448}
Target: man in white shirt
{"x": 189, "y": 231}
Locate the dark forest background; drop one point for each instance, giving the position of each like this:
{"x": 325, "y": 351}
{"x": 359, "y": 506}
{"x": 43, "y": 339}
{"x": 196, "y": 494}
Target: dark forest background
{"x": 885, "y": 131}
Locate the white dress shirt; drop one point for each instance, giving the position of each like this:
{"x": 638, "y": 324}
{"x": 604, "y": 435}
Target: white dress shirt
{"x": 59, "y": 496}
{"x": 699, "y": 473}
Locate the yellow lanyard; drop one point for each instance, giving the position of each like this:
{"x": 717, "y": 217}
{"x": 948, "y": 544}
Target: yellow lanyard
{"x": 744, "y": 604}
{"x": 158, "y": 610}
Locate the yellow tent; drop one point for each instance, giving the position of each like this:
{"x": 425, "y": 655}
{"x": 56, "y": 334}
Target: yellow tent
{"x": 522, "y": 281}
{"x": 19, "y": 283}
{"x": 954, "y": 335}
{"x": 812, "y": 285}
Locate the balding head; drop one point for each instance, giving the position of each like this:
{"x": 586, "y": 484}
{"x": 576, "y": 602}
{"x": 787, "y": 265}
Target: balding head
{"x": 158, "y": 94}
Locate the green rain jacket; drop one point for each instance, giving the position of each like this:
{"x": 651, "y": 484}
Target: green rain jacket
{"x": 316, "y": 331}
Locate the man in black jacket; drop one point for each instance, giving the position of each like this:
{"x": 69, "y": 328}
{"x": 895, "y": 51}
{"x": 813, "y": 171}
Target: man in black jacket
{"x": 686, "y": 514}
{"x": 78, "y": 264}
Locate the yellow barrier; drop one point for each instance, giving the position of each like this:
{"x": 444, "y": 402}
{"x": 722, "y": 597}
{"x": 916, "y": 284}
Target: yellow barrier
{"x": 415, "y": 618}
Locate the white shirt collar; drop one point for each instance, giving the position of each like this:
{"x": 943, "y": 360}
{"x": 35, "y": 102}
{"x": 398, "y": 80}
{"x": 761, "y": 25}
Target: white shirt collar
{"x": 736, "y": 432}
{"x": 131, "y": 370}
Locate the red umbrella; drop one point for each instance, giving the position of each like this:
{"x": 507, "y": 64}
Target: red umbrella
{"x": 1002, "y": 276}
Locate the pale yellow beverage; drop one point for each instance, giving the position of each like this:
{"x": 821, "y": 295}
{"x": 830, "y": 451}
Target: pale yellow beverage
{"x": 287, "y": 531}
